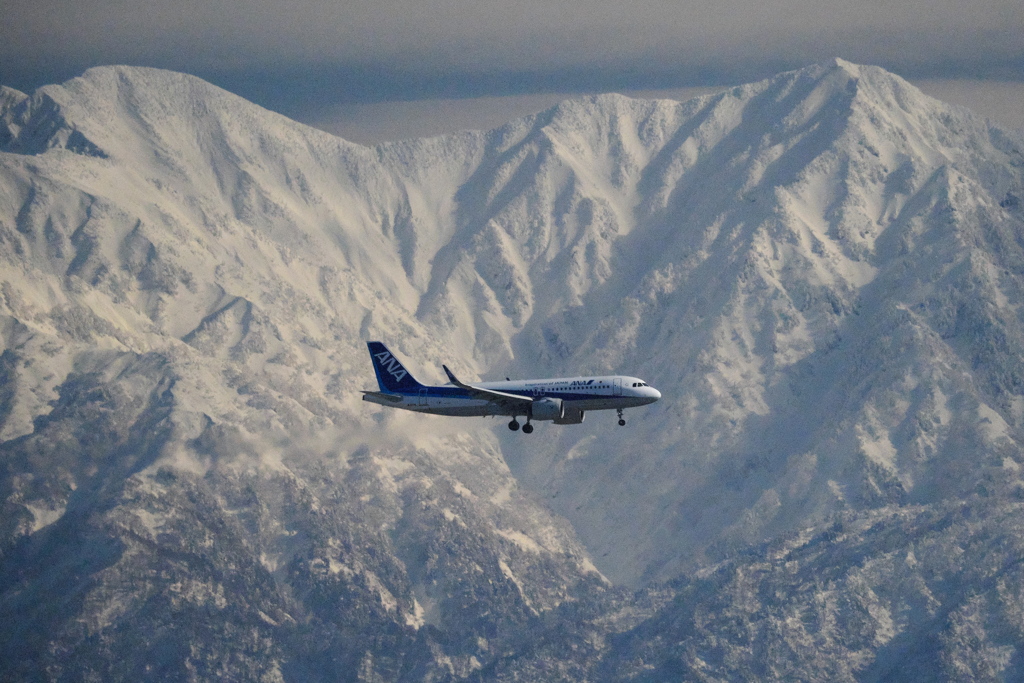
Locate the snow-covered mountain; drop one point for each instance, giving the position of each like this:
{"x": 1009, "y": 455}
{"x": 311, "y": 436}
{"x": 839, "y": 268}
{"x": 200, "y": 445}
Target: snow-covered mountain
{"x": 822, "y": 272}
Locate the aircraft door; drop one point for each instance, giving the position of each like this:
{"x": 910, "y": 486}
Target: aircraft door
{"x": 423, "y": 398}
{"x": 617, "y": 386}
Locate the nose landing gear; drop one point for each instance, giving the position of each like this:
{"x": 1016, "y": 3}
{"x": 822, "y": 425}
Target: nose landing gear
{"x": 622, "y": 420}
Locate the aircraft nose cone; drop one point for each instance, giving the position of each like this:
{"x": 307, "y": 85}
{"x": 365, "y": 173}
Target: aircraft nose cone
{"x": 650, "y": 394}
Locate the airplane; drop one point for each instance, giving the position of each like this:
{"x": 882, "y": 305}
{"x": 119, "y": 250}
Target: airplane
{"x": 563, "y": 401}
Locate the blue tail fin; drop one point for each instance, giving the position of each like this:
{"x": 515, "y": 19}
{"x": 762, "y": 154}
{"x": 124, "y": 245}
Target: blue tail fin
{"x": 391, "y": 374}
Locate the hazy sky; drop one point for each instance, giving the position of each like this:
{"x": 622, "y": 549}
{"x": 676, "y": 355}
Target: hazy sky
{"x": 311, "y": 55}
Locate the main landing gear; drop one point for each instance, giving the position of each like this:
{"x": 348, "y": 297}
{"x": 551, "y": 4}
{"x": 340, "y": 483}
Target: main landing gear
{"x": 514, "y": 426}
{"x": 622, "y": 420}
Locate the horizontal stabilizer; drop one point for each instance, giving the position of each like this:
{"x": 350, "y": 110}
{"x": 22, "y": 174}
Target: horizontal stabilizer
{"x": 381, "y": 398}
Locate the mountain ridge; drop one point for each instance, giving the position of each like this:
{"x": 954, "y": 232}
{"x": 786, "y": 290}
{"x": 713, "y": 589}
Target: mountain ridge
{"x": 820, "y": 271}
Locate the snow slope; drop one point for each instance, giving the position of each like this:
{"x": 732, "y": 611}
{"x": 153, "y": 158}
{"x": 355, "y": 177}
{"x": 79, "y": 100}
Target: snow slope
{"x": 822, "y": 273}
{"x": 187, "y": 284}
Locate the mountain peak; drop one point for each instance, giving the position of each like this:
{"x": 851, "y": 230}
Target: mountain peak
{"x": 10, "y": 97}
{"x": 108, "y": 109}
{"x": 849, "y": 67}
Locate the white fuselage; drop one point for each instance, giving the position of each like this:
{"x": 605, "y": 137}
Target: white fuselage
{"x": 579, "y": 393}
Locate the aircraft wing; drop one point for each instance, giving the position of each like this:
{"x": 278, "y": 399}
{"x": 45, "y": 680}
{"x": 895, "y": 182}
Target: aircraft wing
{"x": 499, "y": 397}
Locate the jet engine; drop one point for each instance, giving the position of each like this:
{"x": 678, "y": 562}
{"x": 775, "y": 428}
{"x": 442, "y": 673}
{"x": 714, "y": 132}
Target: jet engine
{"x": 570, "y": 416}
{"x": 546, "y": 409}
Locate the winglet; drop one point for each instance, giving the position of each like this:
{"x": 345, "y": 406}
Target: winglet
{"x": 452, "y": 378}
